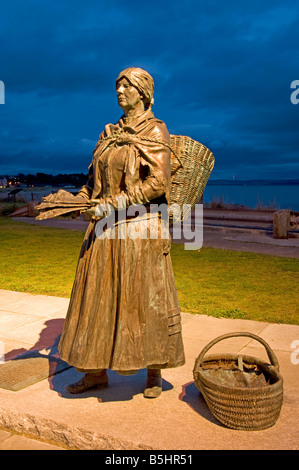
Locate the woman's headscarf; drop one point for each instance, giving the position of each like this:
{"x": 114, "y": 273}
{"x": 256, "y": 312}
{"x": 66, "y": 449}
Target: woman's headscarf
{"x": 141, "y": 80}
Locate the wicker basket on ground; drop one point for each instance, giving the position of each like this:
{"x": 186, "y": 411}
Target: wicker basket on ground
{"x": 242, "y": 392}
{"x": 189, "y": 180}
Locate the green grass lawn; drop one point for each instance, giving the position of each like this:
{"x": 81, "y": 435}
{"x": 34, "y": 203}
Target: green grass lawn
{"x": 222, "y": 283}
{"x": 36, "y": 259}
{"x": 235, "y": 284}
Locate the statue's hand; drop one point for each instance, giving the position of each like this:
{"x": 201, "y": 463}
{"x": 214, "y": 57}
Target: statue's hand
{"x": 95, "y": 202}
{"x": 100, "y": 209}
{"x": 91, "y": 211}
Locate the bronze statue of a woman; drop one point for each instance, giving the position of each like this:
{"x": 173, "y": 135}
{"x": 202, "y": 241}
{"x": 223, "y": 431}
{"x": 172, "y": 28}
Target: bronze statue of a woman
{"x": 124, "y": 313}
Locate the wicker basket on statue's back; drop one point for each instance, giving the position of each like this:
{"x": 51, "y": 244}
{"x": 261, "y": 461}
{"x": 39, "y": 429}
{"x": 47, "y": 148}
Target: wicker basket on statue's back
{"x": 189, "y": 180}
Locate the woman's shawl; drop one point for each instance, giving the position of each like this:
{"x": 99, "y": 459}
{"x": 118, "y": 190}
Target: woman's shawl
{"x": 148, "y": 144}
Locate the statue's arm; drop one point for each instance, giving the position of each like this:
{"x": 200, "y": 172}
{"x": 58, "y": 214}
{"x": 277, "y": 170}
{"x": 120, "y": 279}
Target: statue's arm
{"x": 86, "y": 190}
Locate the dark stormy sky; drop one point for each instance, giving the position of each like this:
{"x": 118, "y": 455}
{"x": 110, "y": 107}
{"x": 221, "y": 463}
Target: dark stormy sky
{"x": 222, "y": 69}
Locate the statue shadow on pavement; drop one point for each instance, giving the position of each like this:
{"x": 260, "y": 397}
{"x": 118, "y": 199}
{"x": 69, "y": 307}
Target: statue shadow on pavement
{"x": 192, "y": 396}
{"x": 120, "y": 388}
{"x": 59, "y": 373}
{"x": 48, "y": 341}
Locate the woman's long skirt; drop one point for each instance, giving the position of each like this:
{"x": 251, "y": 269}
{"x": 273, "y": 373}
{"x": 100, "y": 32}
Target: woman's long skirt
{"x": 124, "y": 312}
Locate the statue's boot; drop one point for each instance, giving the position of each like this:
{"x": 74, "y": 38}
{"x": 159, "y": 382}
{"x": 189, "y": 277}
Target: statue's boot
{"x": 153, "y": 387}
{"x": 89, "y": 381}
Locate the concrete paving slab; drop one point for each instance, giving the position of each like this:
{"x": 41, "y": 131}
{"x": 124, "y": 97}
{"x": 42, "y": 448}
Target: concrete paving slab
{"x": 12, "y": 349}
{"x": 8, "y": 297}
{"x": 193, "y": 348}
{"x": 265, "y": 240}
{"x": 185, "y": 317}
{"x": 10, "y": 320}
{"x": 282, "y": 335}
{"x": 37, "y": 331}
{"x": 15, "y": 442}
{"x": 208, "y": 328}
{"x": 39, "y": 305}
{"x": 4, "y": 435}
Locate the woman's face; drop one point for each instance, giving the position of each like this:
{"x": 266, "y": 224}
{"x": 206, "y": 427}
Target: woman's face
{"x": 128, "y": 96}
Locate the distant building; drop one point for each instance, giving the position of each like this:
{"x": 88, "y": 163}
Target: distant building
{"x": 3, "y": 182}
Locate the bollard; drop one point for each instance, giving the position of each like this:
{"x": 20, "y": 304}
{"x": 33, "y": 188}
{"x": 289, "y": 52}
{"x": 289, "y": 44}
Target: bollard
{"x": 281, "y": 223}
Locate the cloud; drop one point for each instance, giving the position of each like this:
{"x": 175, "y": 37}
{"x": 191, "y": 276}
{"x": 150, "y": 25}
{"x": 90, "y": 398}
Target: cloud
{"x": 222, "y": 75}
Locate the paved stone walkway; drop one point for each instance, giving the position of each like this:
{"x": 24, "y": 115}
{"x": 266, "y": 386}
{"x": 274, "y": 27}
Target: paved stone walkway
{"x": 12, "y": 441}
{"x": 119, "y": 417}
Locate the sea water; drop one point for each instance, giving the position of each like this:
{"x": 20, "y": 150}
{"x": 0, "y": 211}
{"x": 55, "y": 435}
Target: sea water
{"x": 276, "y": 196}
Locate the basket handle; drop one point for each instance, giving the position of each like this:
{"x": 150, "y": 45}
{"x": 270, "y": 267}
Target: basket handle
{"x": 271, "y": 355}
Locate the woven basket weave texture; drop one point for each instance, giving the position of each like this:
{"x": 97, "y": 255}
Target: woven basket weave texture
{"x": 189, "y": 181}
